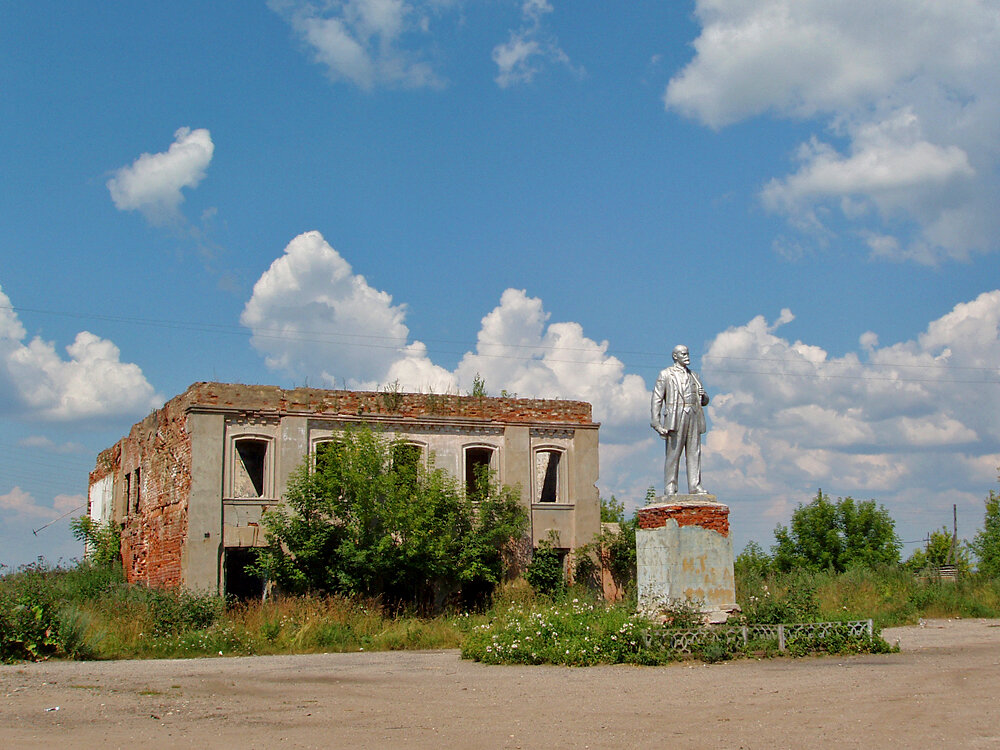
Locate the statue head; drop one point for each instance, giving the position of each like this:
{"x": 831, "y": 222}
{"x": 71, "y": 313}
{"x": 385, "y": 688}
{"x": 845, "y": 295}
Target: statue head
{"x": 681, "y": 355}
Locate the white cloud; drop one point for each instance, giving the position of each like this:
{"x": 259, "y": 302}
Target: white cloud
{"x": 152, "y": 184}
{"x": 528, "y": 48}
{"x": 910, "y": 87}
{"x": 40, "y": 441}
{"x": 363, "y": 42}
{"x": 519, "y": 350}
{"x": 35, "y": 382}
{"x": 21, "y": 504}
{"x": 788, "y": 417}
{"x": 312, "y": 316}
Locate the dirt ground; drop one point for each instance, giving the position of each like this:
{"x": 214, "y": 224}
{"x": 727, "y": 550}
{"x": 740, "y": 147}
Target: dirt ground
{"x": 943, "y": 689}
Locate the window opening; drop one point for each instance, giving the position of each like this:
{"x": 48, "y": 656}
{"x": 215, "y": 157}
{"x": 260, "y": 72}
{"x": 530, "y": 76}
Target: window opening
{"x": 547, "y": 476}
{"x": 477, "y": 472}
{"x": 327, "y": 453}
{"x": 128, "y": 491}
{"x": 241, "y": 583}
{"x": 406, "y": 458}
{"x": 138, "y": 488}
{"x": 251, "y": 456}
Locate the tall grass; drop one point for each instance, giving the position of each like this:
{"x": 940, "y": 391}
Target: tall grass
{"x": 889, "y": 595}
{"x": 89, "y": 612}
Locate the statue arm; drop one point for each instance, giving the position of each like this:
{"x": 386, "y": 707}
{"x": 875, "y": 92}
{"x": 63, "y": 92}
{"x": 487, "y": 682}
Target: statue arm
{"x": 701, "y": 390}
{"x": 656, "y": 404}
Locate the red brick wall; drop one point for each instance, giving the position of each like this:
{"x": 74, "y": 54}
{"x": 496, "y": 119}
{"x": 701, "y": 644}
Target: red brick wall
{"x": 360, "y": 403}
{"x": 713, "y": 518}
{"x": 153, "y": 538}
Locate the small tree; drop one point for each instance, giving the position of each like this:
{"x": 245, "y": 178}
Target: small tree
{"x": 103, "y": 540}
{"x": 752, "y": 561}
{"x": 545, "y": 571}
{"x": 986, "y": 543}
{"x": 938, "y": 552}
{"x": 826, "y": 535}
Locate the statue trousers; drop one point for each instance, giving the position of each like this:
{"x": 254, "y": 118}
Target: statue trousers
{"x": 685, "y": 438}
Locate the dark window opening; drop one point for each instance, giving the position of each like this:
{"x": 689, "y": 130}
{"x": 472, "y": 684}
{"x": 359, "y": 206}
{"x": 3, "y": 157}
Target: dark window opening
{"x": 477, "y": 472}
{"x": 251, "y": 456}
{"x": 138, "y": 488}
{"x": 241, "y": 583}
{"x": 406, "y": 458}
{"x": 128, "y": 492}
{"x": 327, "y": 453}
{"x": 547, "y": 473}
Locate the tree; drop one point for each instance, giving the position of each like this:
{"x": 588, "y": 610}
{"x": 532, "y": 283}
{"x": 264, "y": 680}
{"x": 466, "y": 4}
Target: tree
{"x": 368, "y": 519}
{"x": 103, "y": 540}
{"x": 938, "y": 552}
{"x": 752, "y": 561}
{"x": 615, "y": 548}
{"x": 826, "y": 535}
{"x": 986, "y": 543}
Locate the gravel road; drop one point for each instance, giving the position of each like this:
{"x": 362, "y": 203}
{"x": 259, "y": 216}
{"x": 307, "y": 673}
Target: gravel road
{"x": 943, "y": 689}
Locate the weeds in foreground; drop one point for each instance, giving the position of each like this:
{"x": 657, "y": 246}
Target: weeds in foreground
{"x": 89, "y": 612}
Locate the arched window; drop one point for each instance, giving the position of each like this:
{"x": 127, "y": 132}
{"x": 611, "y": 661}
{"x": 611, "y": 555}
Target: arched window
{"x": 478, "y": 462}
{"x": 548, "y": 482}
{"x": 250, "y": 468}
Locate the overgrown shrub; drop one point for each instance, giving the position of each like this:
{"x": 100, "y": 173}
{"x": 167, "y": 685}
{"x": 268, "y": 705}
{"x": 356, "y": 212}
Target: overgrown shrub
{"x": 545, "y": 571}
{"x": 370, "y": 520}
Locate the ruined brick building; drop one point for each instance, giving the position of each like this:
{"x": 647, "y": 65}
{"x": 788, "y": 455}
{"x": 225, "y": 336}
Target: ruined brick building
{"x": 189, "y": 483}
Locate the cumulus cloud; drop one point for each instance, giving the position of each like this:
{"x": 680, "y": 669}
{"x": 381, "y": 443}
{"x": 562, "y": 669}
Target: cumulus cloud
{"x": 364, "y": 42}
{"x": 919, "y": 414}
{"x": 528, "y": 48}
{"x": 152, "y": 184}
{"x": 909, "y": 87}
{"x": 36, "y": 382}
{"x": 312, "y": 316}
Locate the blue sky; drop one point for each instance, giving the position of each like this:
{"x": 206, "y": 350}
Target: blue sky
{"x": 550, "y": 194}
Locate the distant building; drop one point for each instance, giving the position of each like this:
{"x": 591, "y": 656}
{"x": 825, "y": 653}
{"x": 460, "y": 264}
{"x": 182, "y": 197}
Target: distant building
{"x": 190, "y": 481}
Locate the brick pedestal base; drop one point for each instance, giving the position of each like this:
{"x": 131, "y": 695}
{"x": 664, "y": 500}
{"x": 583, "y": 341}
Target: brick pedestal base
{"x": 684, "y": 552}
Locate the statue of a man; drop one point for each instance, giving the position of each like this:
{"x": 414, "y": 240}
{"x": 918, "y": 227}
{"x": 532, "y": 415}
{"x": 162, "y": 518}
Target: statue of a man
{"x": 676, "y": 414}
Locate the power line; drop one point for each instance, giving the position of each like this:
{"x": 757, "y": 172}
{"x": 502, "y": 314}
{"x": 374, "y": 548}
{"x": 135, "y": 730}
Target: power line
{"x": 399, "y": 344}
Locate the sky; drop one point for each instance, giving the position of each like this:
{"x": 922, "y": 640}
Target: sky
{"x": 551, "y": 195}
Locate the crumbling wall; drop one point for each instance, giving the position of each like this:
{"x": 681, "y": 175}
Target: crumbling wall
{"x": 153, "y": 533}
{"x": 386, "y": 404}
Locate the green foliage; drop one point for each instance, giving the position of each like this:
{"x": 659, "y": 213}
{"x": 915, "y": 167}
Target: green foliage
{"x": 826, "y": 535}
{"x": 614, "y": 548}
{"x": 575, "y": 633}
{"x": 545, "y": 571}
{"x": 986, "y": 543}
{"x": 938, "y": 552}
{"x": 612, "y": 511}
{"x": 752, "y": 561}
{"x": 582, "y": 633}
{"x": 790, "y": 601}
{"x": 103, "y": 540}
{"x": 370, "y": 521}
{"x": 479, "y": 387}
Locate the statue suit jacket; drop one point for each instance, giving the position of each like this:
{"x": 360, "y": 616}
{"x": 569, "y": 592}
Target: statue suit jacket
{"x": 667, "y": 401}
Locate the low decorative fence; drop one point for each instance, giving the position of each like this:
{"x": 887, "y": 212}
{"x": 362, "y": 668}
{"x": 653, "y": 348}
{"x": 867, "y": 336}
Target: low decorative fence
{"x": 687, "y": 640}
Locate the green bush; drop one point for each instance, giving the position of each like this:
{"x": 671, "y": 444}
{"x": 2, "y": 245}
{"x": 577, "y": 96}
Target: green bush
{"x": 545, "y": 571}
{"x": 370, "y": 520}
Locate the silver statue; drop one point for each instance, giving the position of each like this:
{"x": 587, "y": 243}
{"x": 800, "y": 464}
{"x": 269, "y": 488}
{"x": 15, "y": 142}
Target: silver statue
{"x": 676, "y": 414}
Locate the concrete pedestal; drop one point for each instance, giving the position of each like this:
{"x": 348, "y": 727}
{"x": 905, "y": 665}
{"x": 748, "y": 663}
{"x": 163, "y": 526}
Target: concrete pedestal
{"x": 684, "y": 551}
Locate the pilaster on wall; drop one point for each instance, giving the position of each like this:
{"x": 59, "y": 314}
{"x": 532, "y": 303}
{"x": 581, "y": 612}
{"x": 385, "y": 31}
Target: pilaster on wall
{"x": 517, "y": 461}
{"x": 293, "y": 449}
{"x": 202, "y": 554}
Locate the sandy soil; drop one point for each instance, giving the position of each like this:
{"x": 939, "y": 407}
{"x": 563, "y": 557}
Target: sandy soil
{"x": 942, "y": 690}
